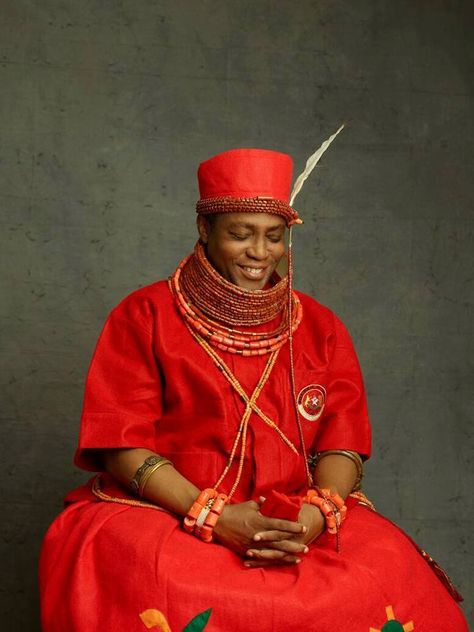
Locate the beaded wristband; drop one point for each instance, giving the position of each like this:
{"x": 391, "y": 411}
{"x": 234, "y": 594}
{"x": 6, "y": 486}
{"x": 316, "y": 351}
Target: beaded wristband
{"x": 204, "y": 513}
{"x": 326, "y": 510}
{"x": 333, "y": 497}
{"x": 210, "y": 521}
{"x": 206, "y": 496}
{"x": 331, "y": 506}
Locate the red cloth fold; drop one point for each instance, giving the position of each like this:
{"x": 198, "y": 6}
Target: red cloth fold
{"x": 278, "y": 505}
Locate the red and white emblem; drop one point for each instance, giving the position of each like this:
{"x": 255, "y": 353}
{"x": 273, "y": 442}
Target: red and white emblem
{"x": 311, "y": 401}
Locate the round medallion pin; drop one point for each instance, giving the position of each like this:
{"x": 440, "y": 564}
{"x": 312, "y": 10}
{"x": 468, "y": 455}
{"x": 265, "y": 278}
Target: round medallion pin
{"x": 311, "y": 400}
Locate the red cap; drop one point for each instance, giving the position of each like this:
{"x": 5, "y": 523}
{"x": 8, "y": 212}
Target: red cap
{"x": 242, "y": 173}
{"x": 247, "y": 180}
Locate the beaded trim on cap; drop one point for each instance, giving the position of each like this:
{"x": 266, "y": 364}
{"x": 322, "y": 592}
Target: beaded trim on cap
{"x": 227, "y": 204}
{"x": 212, "y": 307}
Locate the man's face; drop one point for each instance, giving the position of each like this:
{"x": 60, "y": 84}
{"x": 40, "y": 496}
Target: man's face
{"x": 244, "y": 247}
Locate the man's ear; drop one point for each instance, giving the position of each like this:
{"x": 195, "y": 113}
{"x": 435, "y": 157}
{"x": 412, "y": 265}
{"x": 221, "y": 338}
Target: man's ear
{"x": 203, "y": 228}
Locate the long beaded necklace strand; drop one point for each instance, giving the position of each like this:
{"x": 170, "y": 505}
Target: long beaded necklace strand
{"x": 222, "y": 366}
{"x": 250, "y": 406}
{"x": 197, "y": 282}
{"x": 309, "y": 476}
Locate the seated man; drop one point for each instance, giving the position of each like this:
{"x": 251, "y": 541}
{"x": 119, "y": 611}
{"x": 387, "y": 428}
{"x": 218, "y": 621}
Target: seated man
{"x": 226, "y": 416}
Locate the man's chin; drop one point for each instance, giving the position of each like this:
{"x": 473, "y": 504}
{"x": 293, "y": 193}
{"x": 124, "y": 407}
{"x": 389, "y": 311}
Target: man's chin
{"x": 252, "y": 284}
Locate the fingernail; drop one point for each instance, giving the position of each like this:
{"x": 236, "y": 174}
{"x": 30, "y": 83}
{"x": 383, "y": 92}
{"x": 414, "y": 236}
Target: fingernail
{"x": 298, "y": 561}
{"x": 247, "y": 564}
{"x": 249, "y": 553}
{"x": 257, "y": 537}
{"x": 305, "y": 550}
{"x": 304, "y": 529}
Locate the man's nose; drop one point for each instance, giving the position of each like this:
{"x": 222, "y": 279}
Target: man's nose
{"x": 257, "y": 250}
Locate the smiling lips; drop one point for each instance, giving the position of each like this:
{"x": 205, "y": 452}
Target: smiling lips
{"x": 253, "y": 273}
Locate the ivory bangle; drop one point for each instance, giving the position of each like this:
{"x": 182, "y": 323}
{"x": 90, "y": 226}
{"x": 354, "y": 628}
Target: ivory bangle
{"x": 202, "y": 517}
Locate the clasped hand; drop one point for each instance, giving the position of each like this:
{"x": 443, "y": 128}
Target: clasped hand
{"x": 264, "y": 541}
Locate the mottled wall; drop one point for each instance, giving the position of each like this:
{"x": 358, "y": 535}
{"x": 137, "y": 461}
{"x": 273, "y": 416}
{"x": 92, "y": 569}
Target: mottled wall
{"x": 106, "y": 109}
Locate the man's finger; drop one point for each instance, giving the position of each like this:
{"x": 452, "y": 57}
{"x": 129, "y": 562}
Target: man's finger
{"x": 265, "y": 554}
{"x": 272, "y": 536}
{"x": 288, "y": 546}
{"x": 276, "y": 524}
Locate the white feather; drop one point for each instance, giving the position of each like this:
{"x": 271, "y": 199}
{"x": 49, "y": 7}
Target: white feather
{"x": 310, "y": 165}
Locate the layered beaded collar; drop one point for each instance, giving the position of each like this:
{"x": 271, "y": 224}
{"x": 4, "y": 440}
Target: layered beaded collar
{"x": 213, "y": 307}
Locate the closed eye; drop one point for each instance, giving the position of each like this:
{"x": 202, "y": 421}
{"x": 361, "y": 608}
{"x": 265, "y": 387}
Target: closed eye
{"x": 275, "y": 238}
{"x": 239, "y": 236}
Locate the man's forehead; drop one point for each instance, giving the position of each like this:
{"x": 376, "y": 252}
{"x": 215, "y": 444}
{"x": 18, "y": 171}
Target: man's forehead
{"x": 247, "y": 223}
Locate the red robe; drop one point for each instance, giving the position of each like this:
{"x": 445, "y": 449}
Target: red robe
{"x": 150, "y": 385}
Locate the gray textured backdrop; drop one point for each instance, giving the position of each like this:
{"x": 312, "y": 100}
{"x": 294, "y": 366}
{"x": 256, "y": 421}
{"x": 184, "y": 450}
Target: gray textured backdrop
{"x": 106, "y": 109}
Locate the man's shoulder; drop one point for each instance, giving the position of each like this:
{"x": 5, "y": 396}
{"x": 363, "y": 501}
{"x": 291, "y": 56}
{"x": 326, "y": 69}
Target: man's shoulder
{"x": 152, "y": 291}
{"x": 316, "y": 314}
{"x": 141, "y": 305}
{"x": 316, "y": 310}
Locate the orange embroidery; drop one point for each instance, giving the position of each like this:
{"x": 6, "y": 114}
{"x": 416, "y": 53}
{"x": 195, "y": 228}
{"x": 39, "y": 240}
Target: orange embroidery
{"x": 392, "y": 624}
{"x": 155, "y": 619}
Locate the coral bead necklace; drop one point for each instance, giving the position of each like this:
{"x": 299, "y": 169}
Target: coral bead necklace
{"x": 212, "y": 307}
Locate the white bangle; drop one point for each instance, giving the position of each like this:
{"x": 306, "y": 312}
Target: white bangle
{"x": 202, "y": 516}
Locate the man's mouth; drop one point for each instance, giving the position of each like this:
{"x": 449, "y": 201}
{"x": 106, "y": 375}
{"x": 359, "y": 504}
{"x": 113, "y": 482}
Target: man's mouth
{"x": 253, "y": 273}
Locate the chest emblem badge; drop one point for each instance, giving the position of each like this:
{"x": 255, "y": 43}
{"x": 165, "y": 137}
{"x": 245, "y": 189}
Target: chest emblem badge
{"x": 311, "y": 401}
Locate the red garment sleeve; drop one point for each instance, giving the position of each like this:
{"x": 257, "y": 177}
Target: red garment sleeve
{"x": 122, "y": 399}
{"x": 345, "y": 422}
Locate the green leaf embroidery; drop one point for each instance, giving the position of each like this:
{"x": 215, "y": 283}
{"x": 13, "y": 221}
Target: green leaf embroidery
{"x": 393, "y": 626}
{"x": 199, "y": 622}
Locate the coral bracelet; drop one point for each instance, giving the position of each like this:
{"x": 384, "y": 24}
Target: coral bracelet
{"x": 331, "y": 505}
{"x": 204, "y": 513}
